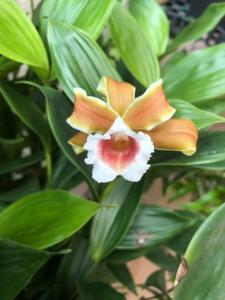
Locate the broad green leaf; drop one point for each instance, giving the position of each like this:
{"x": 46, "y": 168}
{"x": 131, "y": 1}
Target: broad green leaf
{"x": 210, "y": 149}
{"x": 76, "y": 267}
{"x": 204, "y": 76}
{"x": 120, "y": 199}
{"x": 135, "y": 50}
{"x": 153, "y": 226}
{"x": 18, "y": 263}
{"x": 153, "y": 21}
{"x": 89, "y": 16}
{"x": 100, "y": 291}
{"x": 28, "y": 112}
{"x": 200, "y": 117}
{"x": 23, "y": 188}
{"x": 21, "y": 163}
{"x": 45, "y": 218}
{"x": 78, "y": 60}
{"x": 19, "y": 39}
{"x": 123, "y": 275}
{"x": 65, "y": 175}
{"x": 58, "y": 110}
{"x": 6, "y": 65}
{"x": 206, "y": 262}
{"x": 199, "y": 27}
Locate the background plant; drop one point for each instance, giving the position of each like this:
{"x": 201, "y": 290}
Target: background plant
{"x": 49, "y": 248}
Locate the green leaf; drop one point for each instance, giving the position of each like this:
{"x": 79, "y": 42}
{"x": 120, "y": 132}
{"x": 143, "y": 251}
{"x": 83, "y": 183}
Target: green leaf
{"x": 199, "y": 27}
{"x": 153, "y": 21}
{"x": 20, "y": 163}
{"x": 206, "y": 262}
{"x": 78, "y": 60}
{"x": 18, "y": 263}
{"x": 75, "y": 268}
{"x": 58, "y": 110}
{"x": 45, "y": 218}
{"x": 204, "y": 76}
{"x": 89, "y": 16}
{"x": 27, "y": 186}
{"x": 200, "y": 117}
{"x": 100, "y": 291}
{"x": 153, "y": 226}
{"x": 157, "y": 280}
{"x": 65, "y": 175}
{"x": 120, "y": 199}
{"x": 123, "y": 275}
{"x": 210, "y": 149}
{"x": 134, "y": 48}
{"x": 28, "y": 112}
{"x": 19, "y": 39}
{"x": 6, "y": 65}
{"x": 164, "y": 258}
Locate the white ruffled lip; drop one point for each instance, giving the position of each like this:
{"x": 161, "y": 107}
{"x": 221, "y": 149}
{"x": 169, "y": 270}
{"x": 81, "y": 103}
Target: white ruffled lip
{"x": 103, "y": 171}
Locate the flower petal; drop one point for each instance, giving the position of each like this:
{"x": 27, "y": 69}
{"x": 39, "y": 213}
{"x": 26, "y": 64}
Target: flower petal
{"x": 121, "y": 151}
{"x": 91, "y": 114}
{"x": 175, "y": 135}
{"x": 149, "y": 110}
{"x": 78, "y": 141}
{"x": 118, "y": 94}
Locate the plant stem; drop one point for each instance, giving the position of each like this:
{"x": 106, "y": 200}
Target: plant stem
{"x": 48, "y": 159}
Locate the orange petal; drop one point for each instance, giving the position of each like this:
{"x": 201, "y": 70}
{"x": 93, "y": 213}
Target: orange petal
{"x": 175, "y": 135}
{"x": 78, "y": 141}
{"x": 119, "y": 94}
{"x": 91, "y": 114}
{"x": 149, "y": 110}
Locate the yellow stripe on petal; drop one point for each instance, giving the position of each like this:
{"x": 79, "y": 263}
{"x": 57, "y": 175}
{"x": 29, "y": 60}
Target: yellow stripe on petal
{"x": 149, "y": 110}
{"x": 175, "y": 135}
{"x": 118, "y": 94}
{"x": 78, "y": 141}
{"x": 91, "y": 114}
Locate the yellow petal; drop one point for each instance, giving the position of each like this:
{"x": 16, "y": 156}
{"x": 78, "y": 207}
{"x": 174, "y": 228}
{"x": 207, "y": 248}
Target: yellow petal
{"x": 118, "y": 94}
{"x": 149, "y": 110}
{"x": 175, "y": 135}
{"x": 91, "y": 114}
{"x": 78, "y": 141}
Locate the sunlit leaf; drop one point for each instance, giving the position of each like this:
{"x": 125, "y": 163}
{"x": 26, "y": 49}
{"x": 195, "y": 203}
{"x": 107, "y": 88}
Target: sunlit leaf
{"x": 90, "y": 16}
{"x": 135, "y": 50}
{"x": 19, "y": 39}
{"x": 78, "y": 60}
{"x": 203, "y": 78}
{"x": 153, "y": 21}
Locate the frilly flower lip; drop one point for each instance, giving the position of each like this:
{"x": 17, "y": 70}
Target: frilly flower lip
{"x": 121, "y": 134}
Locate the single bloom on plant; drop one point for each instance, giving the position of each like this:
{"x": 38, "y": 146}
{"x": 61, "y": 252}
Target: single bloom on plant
{"x": 120, "y": 135}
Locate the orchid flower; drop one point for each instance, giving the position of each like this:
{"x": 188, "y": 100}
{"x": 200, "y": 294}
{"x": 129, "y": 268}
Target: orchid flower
{"x": 121, "y": 134}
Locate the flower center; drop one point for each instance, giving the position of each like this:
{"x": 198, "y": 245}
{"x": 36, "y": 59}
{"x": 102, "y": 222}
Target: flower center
{"x": 118, "y": 151}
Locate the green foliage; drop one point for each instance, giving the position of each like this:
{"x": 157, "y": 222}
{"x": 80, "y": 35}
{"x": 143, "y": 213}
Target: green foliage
{"x": 44, "y": 185}
{"x": 205, "y": 260}
{"x": 58, "y": 211}
{"x": 135, "y": 50}
{"x": 196, "y": 29}
{"x": 155, "y": 27}
{"x": 19, "y": 40}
